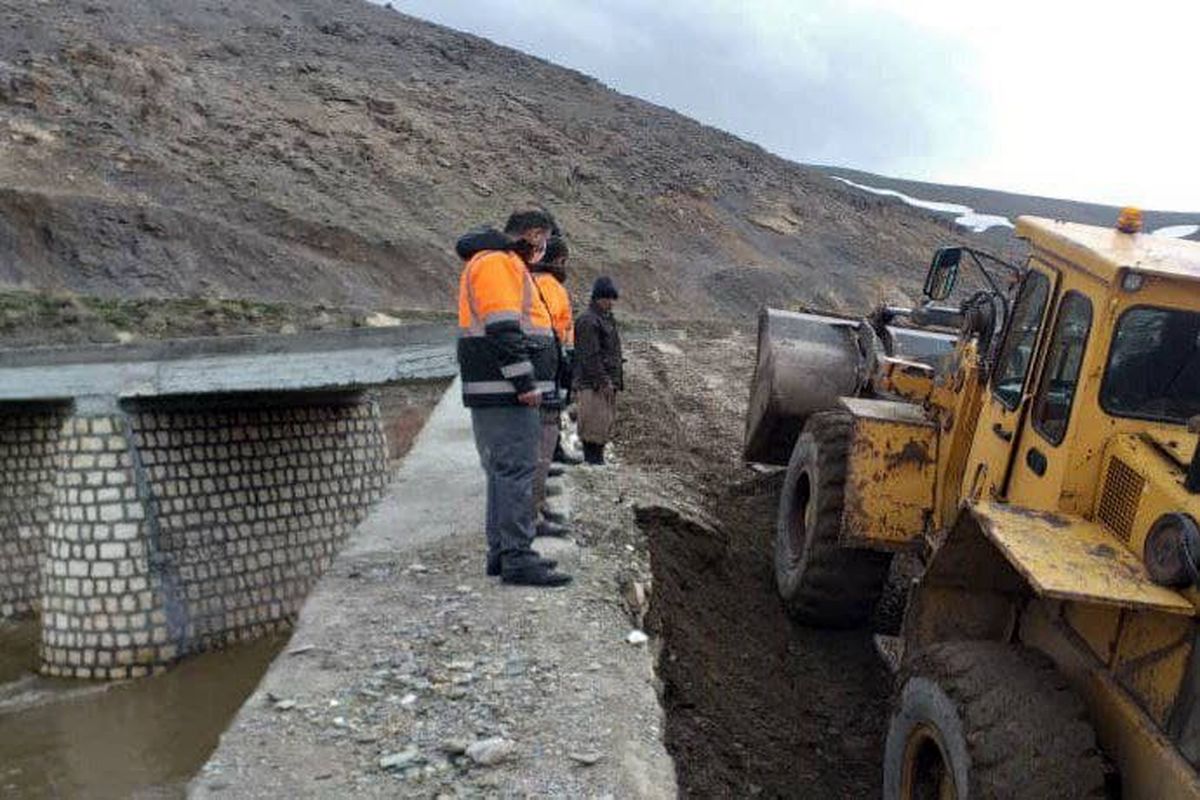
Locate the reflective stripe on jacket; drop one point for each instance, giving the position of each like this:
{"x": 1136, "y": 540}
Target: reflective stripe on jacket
{"x": 505, "y": 338}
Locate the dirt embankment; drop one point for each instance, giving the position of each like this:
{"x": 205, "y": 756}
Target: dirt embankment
{"x": 755, "y": 706}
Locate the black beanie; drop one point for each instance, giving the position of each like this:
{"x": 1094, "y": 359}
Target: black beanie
{"x": 604, "y": 288}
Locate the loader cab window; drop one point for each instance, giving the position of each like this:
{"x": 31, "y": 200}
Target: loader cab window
{"x": 1154, "y": 365}
{"x": 1008, "y": 381}
{"x": 1052, "y": 408}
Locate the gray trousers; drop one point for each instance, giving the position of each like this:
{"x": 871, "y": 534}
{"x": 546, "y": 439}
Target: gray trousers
{"x": 507, "y": 439}
{"x": 547, "y": 440}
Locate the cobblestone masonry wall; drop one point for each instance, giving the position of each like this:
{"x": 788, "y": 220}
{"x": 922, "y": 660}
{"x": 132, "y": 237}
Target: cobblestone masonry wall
{"x": 179, "y": 530}
{"x": 102, "y": 614}
{"x": 28, "y": 443}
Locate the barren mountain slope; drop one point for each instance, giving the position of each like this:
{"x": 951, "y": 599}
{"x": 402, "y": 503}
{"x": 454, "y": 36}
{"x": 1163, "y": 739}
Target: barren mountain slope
{"x": 330, "y": 151}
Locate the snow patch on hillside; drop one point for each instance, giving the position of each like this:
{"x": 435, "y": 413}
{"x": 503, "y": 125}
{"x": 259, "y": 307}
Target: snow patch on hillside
{"x": 969, "y": 218}
{"x": 964, "y": 215}
{"x": 1176, "y": 231}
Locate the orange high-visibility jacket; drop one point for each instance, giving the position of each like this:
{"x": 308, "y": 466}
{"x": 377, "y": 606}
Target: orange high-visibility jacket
{"x": 559, "y": 302}
{"x": 505, "y": 336}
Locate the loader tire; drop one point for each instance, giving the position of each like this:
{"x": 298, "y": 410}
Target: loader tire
{"x": 822, "y": 583}
{"x": 988, "y": 720}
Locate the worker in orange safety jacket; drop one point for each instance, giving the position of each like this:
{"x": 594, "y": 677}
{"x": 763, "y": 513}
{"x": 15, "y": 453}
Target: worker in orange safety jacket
{"x": 508, "y": 364}
{"x": 549, "y": 275}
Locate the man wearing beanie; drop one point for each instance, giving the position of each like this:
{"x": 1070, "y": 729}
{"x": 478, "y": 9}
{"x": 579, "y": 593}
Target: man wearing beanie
{"x": 598, "y": 369}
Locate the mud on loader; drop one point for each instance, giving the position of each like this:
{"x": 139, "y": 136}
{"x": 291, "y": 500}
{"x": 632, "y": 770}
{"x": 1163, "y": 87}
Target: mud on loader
{"x": 1037, "y": 447}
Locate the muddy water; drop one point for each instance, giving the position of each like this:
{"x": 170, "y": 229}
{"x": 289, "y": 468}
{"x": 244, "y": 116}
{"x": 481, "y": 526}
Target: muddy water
{"x": 144, "y": 738}
{"x": 18, "y": 650}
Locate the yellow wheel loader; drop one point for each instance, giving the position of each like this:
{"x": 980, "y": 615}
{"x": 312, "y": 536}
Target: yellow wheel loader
{"x": 1036, "y": 446}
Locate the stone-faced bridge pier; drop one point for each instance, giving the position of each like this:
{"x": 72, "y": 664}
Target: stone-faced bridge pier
{"x": 160, "y": 499}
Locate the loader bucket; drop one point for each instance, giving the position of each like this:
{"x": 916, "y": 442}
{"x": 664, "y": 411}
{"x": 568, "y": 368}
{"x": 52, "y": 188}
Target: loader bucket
{"x": 805, "y": 363}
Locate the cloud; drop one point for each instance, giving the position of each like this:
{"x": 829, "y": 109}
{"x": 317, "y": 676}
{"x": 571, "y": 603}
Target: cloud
{"x": 1062, "y": 99}
{"x": 816, "y": 84}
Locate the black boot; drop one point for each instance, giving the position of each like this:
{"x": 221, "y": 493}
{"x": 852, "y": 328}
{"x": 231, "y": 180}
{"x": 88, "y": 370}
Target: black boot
{"x": 550, "y": 515}
{"x": 493, "y": 564}
{"x": 593, "y": 453}
{"x": 533, "y": 574}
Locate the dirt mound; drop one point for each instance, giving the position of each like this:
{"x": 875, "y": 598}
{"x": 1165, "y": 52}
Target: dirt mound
{"x": 328, "y": 152}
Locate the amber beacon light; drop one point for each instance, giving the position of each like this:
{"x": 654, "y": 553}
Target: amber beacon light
{"x": 1130, "y": 220}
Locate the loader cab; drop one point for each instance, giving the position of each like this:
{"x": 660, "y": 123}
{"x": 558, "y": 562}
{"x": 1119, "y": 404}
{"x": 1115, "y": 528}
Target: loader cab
{"x": 1101, "y": 350}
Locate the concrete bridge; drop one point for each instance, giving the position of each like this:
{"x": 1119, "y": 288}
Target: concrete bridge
{"x": 165, "y": 498}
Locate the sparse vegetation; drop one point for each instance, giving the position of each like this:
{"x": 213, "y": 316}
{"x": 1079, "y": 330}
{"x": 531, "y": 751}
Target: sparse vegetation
{"x": 60, "y": 318}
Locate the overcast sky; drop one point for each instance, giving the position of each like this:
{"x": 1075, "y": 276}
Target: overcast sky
{"x": 1067, "y": 99}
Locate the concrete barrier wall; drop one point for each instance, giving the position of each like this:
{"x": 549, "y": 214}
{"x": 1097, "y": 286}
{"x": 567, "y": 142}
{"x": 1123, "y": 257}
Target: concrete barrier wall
{"x": 177, "y": 528}
{"x": 28, "y": 453}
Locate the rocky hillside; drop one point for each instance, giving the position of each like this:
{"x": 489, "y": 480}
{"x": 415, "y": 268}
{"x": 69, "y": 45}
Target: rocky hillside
{"x": 328, "y": 152}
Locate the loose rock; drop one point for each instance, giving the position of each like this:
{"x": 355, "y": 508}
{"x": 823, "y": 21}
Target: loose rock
{"x": 587, "y": 759}
{"x": 408, "y": 757}
{"x": 455, "y": 747}
{"x": 489, "y": 752}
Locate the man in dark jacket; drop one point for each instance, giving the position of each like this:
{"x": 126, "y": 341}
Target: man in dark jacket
{"x": 598, "y": 370}
{"x": 508, "y": 362}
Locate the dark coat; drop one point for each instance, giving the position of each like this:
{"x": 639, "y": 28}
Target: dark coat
{"x": 597, "y": 350}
